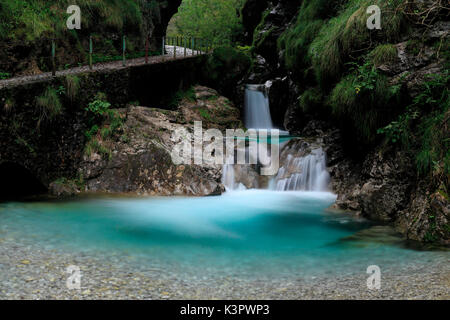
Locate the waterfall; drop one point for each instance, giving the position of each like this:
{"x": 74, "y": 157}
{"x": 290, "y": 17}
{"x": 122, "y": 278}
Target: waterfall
{"x": 228, "y": 177}
{"x": 257, "y": 110}
{"x": 307, "y": 173}
{"x": 302, "y": 169}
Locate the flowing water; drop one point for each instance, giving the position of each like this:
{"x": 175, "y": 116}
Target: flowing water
{"x": 254, "y": 233}
{"x": 257, "y": 111}
{"x": 286, "y": 231}
{"x": 308, "y": 173}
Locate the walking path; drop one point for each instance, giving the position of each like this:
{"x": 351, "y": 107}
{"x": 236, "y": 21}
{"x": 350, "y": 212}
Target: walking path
{"x": 114, "y": 65}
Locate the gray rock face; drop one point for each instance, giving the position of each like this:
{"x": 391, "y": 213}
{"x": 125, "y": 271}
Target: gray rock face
{"x": 388, "y": 187}
{"x": 141, "y": 159}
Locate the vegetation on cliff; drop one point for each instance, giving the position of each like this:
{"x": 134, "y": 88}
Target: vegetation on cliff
{"x": 329, "y": 43}
{"x": 36, "y": 22}
{"x": 216, "y": 20}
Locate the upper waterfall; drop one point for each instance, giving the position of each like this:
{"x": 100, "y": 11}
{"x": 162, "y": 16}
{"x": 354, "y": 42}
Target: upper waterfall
{"x": 257, "y": 110}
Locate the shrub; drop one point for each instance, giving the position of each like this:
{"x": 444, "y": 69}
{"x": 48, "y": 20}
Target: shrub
{"x": 4, "y": 75}
{"x": 424, "y": 129}
{"x": 347, "y": 34}
{"x": 72, "y": 85}
{"x": 224, "y": 68}
{"x": 98, "y": 107}
{"x": 105, "y": 124}
{"x": 295, "y": 41}
{"x": 50, "y": 105}
{"x": 363, "y": 101}
{"x": 311, "y": 101}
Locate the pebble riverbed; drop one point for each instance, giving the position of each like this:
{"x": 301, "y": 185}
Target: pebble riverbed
{"x": 29, "y": 271}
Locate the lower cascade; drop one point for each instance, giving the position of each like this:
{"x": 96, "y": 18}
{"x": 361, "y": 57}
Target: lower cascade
{"x": 307, "y": 173}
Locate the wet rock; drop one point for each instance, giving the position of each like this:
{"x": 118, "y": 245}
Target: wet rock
{"x": 63, "y": 189}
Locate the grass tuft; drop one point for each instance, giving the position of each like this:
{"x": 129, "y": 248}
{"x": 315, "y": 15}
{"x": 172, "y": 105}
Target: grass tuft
{"x": 49, "y": 104}
{"x": 383, "y": 54}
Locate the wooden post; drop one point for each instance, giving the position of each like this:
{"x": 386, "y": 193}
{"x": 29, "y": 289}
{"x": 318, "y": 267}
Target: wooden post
{"x": 124, "y": 48}
{"x": 146, "y": 50}
{"x": 90, "y": 52}
{"x": 53, "y": 58}
{"x": 184, "y": 43}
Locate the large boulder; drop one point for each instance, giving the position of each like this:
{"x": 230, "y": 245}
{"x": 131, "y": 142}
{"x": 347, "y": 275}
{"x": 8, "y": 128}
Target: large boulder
{"x": 140, "y": 159}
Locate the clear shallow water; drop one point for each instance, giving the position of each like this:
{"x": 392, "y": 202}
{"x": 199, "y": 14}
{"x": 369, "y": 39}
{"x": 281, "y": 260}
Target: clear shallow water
{"x": 246, "y": 233}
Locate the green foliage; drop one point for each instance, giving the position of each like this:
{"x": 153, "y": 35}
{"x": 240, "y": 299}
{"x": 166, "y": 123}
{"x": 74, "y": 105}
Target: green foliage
{"x": 72, "y": 85}
{"x": 180, "y": 95}
{"x": 329, "y": 43}
{"x": 95, "y": 146}
{"x": 311, "y": 101}
{"x": 49, "y": 104}
{"x": 296, "y": 40}
{"x": 204, "y": 113}
{"x": 4, "y": 75}
{"x": 78, "y": 182}
{"x": 34, "y": 22}
{"x": 362, "y": 101}
{"x": 92, "y": 132}
{"x": 383, "y": 54}
{"x": 9, "y": 104}
{"x": 426, "y": 123}
{"x": 98, "y": 107}
{"x": 434, "y": 155}
{"x": 245, "y": 49}
{"x": 24, "y": 143}
{"x": 31, "y": 19}
{"x": 61, "y": 90}
{"x": 215, "y": 20}
{"x": 106, "y": 123}
{"x": 225, "y": 66}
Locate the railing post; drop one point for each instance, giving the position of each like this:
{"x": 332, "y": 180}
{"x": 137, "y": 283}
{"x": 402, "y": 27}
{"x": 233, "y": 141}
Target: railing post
{"x": 124, "y": 48}
{"x": 53, "y": 58}
{"x": 90, "y": 52}
{"x": 146, "y": 50}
